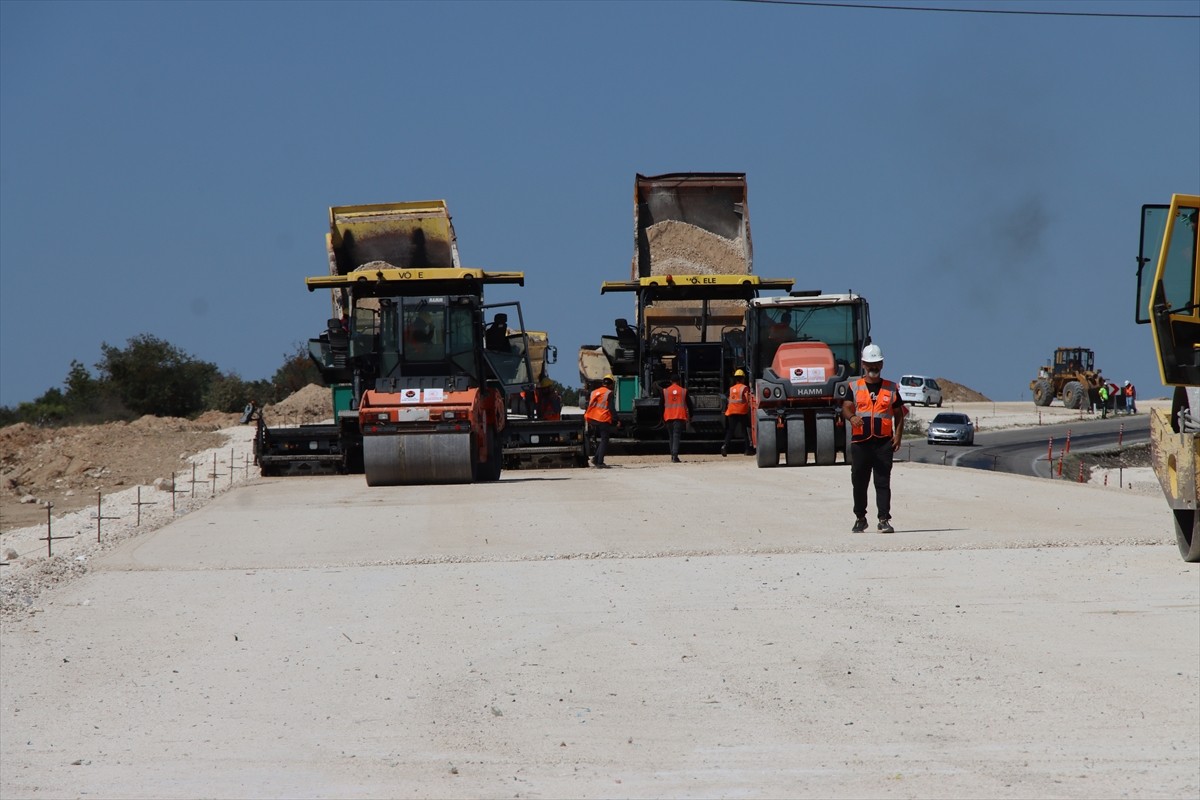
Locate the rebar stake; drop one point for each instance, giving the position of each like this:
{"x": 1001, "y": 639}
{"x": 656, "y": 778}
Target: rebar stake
{"x": 139, "y": 505}
{"x": 99, "y": 516}
{"x": 49, "y": 540}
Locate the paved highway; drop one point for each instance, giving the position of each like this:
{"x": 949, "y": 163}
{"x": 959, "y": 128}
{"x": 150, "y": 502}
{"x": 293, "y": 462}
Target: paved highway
{"x": 1023, "y": 451}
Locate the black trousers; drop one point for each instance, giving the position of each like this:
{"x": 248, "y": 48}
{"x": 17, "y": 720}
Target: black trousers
{"x": 675, "y": 432}
{"x": 737, "y": 426}
{"x": 872, "y": 458}
{"x": 601, "y": 430}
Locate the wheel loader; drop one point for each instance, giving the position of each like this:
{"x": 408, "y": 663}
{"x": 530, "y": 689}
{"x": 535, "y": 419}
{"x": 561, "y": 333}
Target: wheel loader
{"x": 1070, "y": 377}
{"x": 1168, "y": 299}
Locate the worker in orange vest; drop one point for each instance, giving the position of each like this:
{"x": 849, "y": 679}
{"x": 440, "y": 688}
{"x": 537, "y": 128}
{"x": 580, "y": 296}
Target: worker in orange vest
{"x": 601, "y": 416}
{"x": 876, "y": 416}
{"x": 1130, "y": 398}
{"x": 675, "y": 413}
{"x": 737, "y": 412}
{"x": 547, "y": 400}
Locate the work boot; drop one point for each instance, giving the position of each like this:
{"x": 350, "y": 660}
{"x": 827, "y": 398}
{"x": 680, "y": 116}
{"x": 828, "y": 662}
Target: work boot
{"x": 601, "y": 465}
{"x": 885, "y": 526}
{"x": 860, "y": 525}
{"x": 723, "y": 451}
{"x": 675, "y": 459}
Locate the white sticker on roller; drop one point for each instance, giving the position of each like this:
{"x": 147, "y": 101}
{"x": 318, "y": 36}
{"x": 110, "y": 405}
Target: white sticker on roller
{"x": 808, "y": 375}
{"x": 410, "y": 396}
{"x": 413, "y": 415}
{"x": 434, "y": 395}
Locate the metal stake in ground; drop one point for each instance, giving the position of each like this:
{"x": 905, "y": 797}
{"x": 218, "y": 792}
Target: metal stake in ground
{"x": 139, "y": 505}
{"x": 212, "y": 476}
{"x": 99, "y": 517}
{"x": 175, "y": 491}
{"x": 49, "y": 540}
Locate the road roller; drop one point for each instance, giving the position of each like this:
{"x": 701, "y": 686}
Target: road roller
{"x": 435, "y": 407}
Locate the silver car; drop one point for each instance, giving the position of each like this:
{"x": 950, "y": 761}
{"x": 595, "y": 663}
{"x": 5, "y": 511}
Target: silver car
{"x": 952, "y": 428}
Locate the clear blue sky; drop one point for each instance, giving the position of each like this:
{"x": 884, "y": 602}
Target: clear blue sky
{"x": 167, "y": 168}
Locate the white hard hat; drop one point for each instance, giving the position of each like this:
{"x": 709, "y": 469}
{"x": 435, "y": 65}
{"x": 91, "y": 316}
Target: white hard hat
{"x": 1126, "y": 383}
{"x": 872, "y": 354}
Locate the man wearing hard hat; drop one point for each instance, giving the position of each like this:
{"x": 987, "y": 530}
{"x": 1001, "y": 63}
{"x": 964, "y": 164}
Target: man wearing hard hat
{"x": 876, "y": 416}
{"x": 737, "y": 413}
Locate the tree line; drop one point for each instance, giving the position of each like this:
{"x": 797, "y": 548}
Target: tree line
{"x": 150, "y": 376}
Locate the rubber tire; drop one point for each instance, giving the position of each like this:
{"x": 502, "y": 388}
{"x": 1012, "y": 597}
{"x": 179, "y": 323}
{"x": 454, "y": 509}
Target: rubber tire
{"x": 1043, "y": 392}
{"x": 490, "y": 469}
{"x": 797, "y": 447}
{"x": 826, "y": 445}
{"x": 1074, "y": 395}
{"x": 1186, "y": 535}
{"x": 767, "y": 453}
{"x": 939, "y": 403}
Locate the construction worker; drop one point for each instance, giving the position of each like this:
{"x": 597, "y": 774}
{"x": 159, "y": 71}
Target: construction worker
{"x": 675, "y": 413}
{"x": 1130, "y": 398}
{"x": 601, "y": 415}
{"x": 1103, "y": 400}
{"x": 496, "y": 336}
{"x": 547, "y": 400}
{"x": 781, "y": 330}
{"x": 737, "y": 412}
{"x": 876, "y": 416}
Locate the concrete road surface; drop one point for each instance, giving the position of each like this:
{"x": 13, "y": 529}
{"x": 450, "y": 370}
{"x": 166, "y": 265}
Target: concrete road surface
{"x": 706, "y": 629}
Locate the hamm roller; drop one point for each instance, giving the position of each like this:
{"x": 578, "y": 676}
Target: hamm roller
{"x": 436, "y": 410}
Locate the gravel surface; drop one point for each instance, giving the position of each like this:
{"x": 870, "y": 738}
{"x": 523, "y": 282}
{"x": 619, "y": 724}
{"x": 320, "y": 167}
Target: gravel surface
{"x": 706, "y": 629}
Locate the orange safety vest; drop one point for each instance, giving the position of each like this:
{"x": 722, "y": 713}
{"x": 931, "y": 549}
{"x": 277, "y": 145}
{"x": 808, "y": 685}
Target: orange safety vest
{"x": 598, "y": 409}
{"x": 675, "y": 402}
{"x": 1129, "y": 390}
{"x": 548, "y": 405}
{"x": 876, "y": 415}
{"x": 739, "y": 400}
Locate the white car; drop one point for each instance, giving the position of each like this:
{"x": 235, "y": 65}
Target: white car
{"x": 916, "y": 389}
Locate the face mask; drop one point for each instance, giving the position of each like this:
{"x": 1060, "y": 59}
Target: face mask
{"x": 873, "y": 373}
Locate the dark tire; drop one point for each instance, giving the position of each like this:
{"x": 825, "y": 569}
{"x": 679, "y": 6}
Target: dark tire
{"x": 767, "y": 450}
{"x": 490, "y": 469}
{"x": 797, "y": 446}
{"x": 1186, "y": 535}
{"x": 939, "y": 403}
{"x": 1074, "y": 395}
{"x": 1043, "y": 392}
{"x": 826, "y": 447}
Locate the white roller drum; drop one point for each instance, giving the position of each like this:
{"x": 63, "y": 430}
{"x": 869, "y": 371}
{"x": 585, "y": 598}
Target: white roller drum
{"x": 417, "y": 458}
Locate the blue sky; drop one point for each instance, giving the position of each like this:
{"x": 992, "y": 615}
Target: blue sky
{"x": 167, "y": 168}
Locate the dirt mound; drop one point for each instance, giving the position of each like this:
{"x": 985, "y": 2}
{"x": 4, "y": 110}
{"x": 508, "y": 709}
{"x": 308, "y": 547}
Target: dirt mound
{"x": 67, "y": 466}
{"x": 313, "y": 403}
{"x": 957, "y": 393}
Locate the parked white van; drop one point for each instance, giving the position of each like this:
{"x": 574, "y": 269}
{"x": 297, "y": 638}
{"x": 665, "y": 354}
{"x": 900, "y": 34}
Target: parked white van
{"x": 920, "y": 389}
